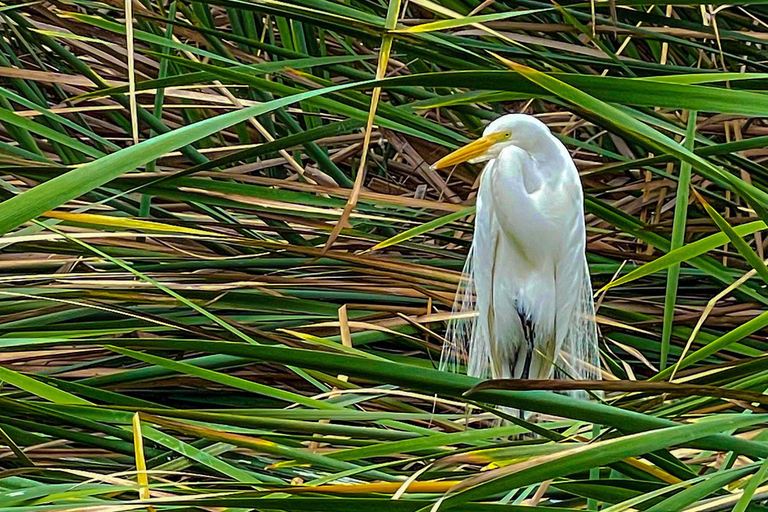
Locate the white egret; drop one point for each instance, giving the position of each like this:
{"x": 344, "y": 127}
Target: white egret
{"x": 527, "y": 271}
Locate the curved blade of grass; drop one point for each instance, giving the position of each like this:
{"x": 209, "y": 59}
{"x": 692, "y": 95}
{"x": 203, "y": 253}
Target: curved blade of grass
{"x": 428, "y": 442}
{"x": 141, "y": 35}
{"x": 6, "y": 116}
{"x": 464, "y": 21}
{"x": 222, "y": 378}
{"x": 604, "y": 89}
{"x": 38, "y": 388}
{"x": 739, "y": 333}
{"x": 640, "y": 230}
{"x": 677, "y": 240}
{"x": 202, "y": 457}
{"x": 264, "y": 446}
{"x": 125, "y": 222}
{"x": 141, "y": 463}
{"x": 752, "y": 485}
{"x": 424, "y": 228}
{"x": 446, "y": 384}
{"x": 388, "y": 118}
{"x": 24, "y": 460}
{"x": 56, "y": 117}
{"x": 694, "y": 490}
{"x": 52, "y": 193}
{"x": 593, "y": 455}
{"x": 611, "y": 385}
{"x": 393, "y": 10}
{"x": 685, "y": 253}
{"x": 743, "y": 247}
{"x": 200, "y": 77}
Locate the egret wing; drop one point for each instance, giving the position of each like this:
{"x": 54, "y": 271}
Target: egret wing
{"x": 576, "y": 331}
{"x": 468, "y": 337}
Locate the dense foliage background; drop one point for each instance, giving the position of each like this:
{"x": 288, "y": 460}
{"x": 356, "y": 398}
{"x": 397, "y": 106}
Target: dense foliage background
{"x": 224, "y": 282}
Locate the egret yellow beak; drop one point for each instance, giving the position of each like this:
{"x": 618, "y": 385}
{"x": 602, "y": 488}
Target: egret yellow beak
{"x": 471, "y": 151}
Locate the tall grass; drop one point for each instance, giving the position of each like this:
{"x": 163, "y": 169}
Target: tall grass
{"x": 227, "y": 264}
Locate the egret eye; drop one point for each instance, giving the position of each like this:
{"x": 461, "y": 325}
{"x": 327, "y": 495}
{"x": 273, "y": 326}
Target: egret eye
{"x": 507, "y": 135}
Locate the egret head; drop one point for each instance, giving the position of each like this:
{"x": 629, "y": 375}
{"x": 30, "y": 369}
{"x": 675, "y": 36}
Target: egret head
{"x": 523, "y": 131}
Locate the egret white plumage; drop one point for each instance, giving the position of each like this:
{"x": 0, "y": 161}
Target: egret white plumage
{"x": 527, "y": 274}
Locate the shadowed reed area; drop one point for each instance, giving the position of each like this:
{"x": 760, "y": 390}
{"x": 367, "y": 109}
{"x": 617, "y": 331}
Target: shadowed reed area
{"x": 226, "y": 265}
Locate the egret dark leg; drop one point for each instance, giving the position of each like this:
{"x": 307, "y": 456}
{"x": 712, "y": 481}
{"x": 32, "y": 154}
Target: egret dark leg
{"x": 529, "y": 336}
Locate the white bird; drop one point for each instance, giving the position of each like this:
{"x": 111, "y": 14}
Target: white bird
{"x": 527, "y": 274}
